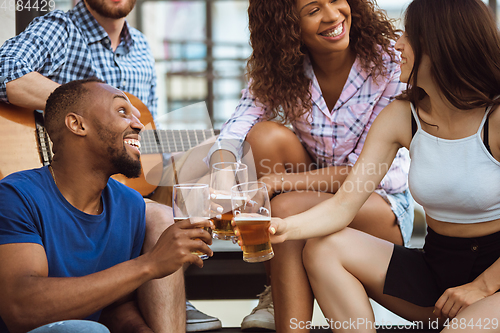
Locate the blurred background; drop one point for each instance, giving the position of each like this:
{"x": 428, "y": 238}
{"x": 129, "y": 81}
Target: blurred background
{"x": 200, "y": 46}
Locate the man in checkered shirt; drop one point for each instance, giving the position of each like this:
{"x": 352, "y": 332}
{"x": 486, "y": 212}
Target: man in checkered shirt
{"x": 94, "y": 40}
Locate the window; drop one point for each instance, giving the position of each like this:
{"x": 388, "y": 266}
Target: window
{"x": 201, "y": 48}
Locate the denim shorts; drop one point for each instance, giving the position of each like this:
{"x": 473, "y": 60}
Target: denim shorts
{"x": 72, "y": 326}
{"x": 402, "y": 206}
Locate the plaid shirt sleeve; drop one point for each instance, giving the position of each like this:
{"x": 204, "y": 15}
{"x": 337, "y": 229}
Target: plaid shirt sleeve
{"x": 396, "y": 178}
{"x": 235, "y": 129}
{"x": 41, "y": 44}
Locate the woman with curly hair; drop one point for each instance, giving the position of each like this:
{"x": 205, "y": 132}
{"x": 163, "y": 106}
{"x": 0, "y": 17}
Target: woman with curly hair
{"x": 327, "y": 68}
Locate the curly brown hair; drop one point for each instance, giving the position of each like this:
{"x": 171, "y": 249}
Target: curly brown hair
{"x": 275, "y": 68}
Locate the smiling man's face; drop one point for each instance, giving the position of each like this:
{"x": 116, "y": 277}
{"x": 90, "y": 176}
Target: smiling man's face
{"x": 116, "y": 126}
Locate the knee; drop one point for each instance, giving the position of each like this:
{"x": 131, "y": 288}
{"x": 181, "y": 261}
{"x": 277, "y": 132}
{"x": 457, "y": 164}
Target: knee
{"x": 281, "y": 207}
{"x": 158, "y": 218}
{"x": 288, "y": 204}
{"x": 319, "y": 250}
{"x": 289, "y": 250}
{"x": 312, "y": 254}
{"x": 265, "y": 133}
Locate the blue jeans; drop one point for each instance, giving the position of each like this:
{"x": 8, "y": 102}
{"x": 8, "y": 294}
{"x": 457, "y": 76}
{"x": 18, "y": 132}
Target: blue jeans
{"x": 402, "y": 206}
{"x": 72, "y": 326}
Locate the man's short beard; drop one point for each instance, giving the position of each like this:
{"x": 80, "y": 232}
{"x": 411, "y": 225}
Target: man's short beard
{"x": 118, "y": 156}
{"x": 100, "y": 7}
{"x": 125, "y": 165}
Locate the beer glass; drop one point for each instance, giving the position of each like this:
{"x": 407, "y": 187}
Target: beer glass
{"x": 223, "y": 177}
{"x": 191, "y": 201}
{"x": 252, "y": 215}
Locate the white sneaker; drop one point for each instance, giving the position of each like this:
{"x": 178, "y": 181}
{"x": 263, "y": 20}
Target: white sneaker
{"x": 262, "y": 315}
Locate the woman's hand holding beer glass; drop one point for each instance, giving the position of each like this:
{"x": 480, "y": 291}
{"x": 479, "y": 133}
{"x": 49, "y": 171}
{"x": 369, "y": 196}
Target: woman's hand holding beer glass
{"x": 252, "y": 218}
{"x": 223, "y": 177}
{"x": 277, "y": 230}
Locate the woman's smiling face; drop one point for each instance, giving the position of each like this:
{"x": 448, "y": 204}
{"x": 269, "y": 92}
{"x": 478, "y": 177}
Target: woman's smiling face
{"x": 325, "y": 24}
{"x": 407, "y": 57}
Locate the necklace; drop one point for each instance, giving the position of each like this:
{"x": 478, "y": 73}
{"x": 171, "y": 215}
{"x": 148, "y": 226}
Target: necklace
{"x": 54, "y": 177}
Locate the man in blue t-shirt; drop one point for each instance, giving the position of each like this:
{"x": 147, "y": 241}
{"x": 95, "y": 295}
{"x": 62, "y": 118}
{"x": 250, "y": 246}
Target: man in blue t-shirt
{"x": 94, "y": 39}
{"x": 71, "y": 237}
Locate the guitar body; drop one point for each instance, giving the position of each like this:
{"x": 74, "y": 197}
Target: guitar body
{"x": 19, "y": 149}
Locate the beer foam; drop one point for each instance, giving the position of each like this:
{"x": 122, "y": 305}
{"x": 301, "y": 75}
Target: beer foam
{"x": 251, "y": 217}
{"x": 192, "y": 219}
{"x": 222, "y": 196}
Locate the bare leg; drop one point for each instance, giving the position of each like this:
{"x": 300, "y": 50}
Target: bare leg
{"x": 277, "y": 149}
{"x": 289, "y": 278}
{"x": 347, "y": 267}
{"x": 162, "y": 302}
{"x": 481, "y": 316}
{"x": 274, "y": 148}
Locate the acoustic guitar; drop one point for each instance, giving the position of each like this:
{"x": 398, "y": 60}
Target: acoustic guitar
{"x": 26, "y": 144}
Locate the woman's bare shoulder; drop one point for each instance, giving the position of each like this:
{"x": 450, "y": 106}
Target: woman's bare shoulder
{"x": 397, "y": 111}
{"x": 395, "y": 118}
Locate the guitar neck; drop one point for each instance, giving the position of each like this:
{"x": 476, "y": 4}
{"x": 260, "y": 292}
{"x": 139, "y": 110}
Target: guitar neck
{"x": 172, "y": 141}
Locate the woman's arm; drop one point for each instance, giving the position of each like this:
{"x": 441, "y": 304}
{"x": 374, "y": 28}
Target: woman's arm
{"x": 457, "y": 299}
{"x": 233, "y": 132}
{"x": 390, "y": 131}
{"x": 326, "y": 180}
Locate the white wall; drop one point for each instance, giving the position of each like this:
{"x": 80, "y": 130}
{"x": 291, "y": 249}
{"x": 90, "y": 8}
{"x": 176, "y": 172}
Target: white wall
{"x": 7, "y": 24}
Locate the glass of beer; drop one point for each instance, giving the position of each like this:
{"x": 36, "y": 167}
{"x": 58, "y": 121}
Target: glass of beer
{"x": 252, "y": 215}
{"x": 223, "y": 177}
{"x": 191, "y": 201}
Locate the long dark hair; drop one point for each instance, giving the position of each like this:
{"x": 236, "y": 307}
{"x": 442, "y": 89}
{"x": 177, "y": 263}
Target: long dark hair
{"x": 462, "y": 41}
{"x": 275, "y": 68}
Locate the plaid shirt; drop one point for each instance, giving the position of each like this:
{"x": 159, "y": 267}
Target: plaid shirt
{"x": 336, "y": 137}
{"x": 71, "y": 46}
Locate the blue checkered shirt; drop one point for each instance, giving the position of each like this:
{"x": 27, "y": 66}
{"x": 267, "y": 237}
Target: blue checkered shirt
{"x": 71, "y": 46}
{"x": 333, "y": 137}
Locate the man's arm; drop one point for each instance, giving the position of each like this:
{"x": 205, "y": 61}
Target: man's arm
{"x": 41, "y": 48}
{"x": 30, "y": 298}
{"x": 30, "y": 91}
